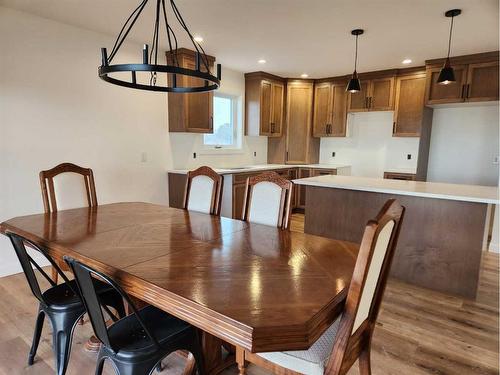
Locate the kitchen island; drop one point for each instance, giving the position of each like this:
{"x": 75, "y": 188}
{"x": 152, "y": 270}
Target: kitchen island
{"x": 444, "y": 230}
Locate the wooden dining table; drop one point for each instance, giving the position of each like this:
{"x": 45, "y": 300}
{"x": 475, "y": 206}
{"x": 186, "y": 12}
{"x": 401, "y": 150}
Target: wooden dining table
{"x": 253, "y": 286}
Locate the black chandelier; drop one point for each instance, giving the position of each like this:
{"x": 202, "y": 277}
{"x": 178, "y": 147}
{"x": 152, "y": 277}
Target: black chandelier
{"x": 353, "y": 85}
{"x": 150, "y": 57}
{"x": 447, "y": 75}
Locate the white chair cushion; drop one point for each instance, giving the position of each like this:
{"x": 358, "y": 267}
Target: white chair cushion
{"x": 373, "y": 274}
{"x": 265, "y": 203}
{"x": 311, "y": 361}
{"x": 70, "y": 191}
{"x": 200, "y": 194}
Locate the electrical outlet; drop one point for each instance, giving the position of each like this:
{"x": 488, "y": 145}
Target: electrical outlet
{"x": 408, "y": 156}
{"x": 255, "y": 153}
{"x": 333, "y": 154}
{"x": 144, "y": 157}
{"x": 496, "y": 160}
{"x": 194, "y": 155}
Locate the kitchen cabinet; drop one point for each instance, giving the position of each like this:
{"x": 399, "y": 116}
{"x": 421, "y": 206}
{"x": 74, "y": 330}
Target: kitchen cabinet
{"x": 301, "y": 147}
{"x": 323, "y": 172}
{"x": 264, "y": 104}
{"x": 409, "y": 106}
{"x": 377, "y": 94}
{"x": 330, "y": 109}
{"x": 476, "y": 80}
{"x": 400, "y": 176}
{"x": 191, "y": 112}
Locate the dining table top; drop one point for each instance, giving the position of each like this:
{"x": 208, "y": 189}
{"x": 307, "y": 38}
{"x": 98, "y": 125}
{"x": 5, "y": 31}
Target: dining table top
{"x": 258, "y": 287}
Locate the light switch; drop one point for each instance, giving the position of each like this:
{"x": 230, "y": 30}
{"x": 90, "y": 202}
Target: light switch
{"x": 144, "y": 157}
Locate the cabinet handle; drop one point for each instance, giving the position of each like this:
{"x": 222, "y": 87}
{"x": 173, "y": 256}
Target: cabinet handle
{"x": 211, "y": 122}
{"x": 272, "y": 127}
{"x": 370, "y": 101}
{"x": 394, "y": 127}
{"x": 462, "y": 95}
{"x": 286, "y": 159}
{"x": 366, "y": 102}
{"x": 467, "y": 87}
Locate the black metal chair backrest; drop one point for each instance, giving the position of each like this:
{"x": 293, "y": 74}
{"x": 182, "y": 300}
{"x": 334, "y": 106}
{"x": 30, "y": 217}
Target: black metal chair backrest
{"x": 83, "y": 276}
{"x": 27, "y": 264}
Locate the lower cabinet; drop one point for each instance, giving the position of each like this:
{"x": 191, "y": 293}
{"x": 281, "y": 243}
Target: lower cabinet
{"x": 238, "y": 198}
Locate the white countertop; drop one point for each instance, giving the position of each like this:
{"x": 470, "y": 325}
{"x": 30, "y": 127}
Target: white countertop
{"x": 466, "y": 193}
{"x": 264, "y": 167}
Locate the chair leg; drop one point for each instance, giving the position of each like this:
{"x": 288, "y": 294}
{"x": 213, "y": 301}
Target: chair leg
{"x": 240, "y": 360}
{"x": 36, "y": 336}
{"x": 364, "y": 362}
{"x": 62, "y": 333}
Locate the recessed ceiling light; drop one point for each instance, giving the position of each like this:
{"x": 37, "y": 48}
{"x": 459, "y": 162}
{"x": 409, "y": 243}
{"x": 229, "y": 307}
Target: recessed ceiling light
{"x": 198, "y": 39}
{"x": 406, "y": 61}
{"x": 261, "y": 61}
{"x": 304, "y": 75}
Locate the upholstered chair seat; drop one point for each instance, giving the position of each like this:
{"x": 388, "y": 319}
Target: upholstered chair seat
{"x": 203, "y": 191}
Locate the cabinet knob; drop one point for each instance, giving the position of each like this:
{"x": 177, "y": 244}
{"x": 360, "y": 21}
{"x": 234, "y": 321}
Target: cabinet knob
{"x": 394, "y": 127}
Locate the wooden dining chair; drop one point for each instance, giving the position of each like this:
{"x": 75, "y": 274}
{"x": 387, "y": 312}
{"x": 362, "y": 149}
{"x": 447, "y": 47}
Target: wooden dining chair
{"x": 267, "y": 200}
{"x": 203, "y": 192}
{"x": 349, "y": 337}
{"x": 67, "y": 186}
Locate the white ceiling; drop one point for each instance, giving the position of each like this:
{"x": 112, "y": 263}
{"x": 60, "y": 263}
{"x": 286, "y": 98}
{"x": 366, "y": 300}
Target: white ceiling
{"x": 301, "y": 36}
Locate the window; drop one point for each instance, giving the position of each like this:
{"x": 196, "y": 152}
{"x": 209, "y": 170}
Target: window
{"x": 225, "y": 112}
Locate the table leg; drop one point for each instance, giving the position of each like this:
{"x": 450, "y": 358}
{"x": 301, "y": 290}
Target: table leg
{"x": 215, "y": 361}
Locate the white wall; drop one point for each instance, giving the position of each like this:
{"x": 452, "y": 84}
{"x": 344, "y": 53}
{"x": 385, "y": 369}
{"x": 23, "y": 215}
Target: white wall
{"x": 54, "y": 108}
{"x": 370, "y": 147}
{"x": 464, "y": 144}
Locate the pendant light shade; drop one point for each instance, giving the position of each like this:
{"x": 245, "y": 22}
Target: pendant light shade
{"x": 354, "y": 85}
{"x": 143, "y": 75}
{"x": 447, "y": 75}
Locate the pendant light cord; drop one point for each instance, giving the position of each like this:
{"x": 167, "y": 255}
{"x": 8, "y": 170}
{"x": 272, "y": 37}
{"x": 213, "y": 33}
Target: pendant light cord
{"x": 356, "y": 55}
{"x": 449, "y": 39}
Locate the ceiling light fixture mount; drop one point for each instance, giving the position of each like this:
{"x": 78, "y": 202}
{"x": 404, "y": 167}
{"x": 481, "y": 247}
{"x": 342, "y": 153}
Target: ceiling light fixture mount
{"x": 354, "y": 86}
{"x": 447, "y": 75}
{"x": 150, "y": 62}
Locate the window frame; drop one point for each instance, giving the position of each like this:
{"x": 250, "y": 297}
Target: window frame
{"x": 236, "y": 112}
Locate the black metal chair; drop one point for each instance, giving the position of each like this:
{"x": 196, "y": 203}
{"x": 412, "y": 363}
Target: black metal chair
{"x": 137, "y": 343}
{"x": 60, "y": 302}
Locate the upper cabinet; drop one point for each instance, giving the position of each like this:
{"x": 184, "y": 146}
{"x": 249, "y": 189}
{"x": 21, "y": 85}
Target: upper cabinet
{"x": 409, "y": 106}
{"x": 192, "y": 112}
{"x": 476, "y": 80}
{"x": 264, "y": 104}
{"x": 377, "y": 94}
{"x": 330, "y": 109}
{"x": 301, "y": 147}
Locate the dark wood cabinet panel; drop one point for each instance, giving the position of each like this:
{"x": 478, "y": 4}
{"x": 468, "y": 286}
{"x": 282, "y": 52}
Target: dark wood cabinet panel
{"x": 301, "y": 189}
{"x": 176, "y": 189}
{"x": 238, "y": 198}
{"x": 264, "y": 104}
{"x": 192, "y": 112}
{"x": 381, "y": 94}
{"x": 408, "y": 113}
{"x": 400, "y": 176}
{"x": 482, "y": 82}
{"x": 339, "y": 111}
{"x": 450, "y": 93}
{"x": 322, "y": 105}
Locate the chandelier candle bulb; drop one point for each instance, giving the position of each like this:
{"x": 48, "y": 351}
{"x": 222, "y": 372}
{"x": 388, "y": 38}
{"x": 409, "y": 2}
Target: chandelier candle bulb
{"x": 104, "y": 55}
{"x": 145, "y": 50}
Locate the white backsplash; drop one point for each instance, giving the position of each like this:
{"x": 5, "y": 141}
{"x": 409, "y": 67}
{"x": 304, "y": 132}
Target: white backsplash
{"x": 370, "y": 148}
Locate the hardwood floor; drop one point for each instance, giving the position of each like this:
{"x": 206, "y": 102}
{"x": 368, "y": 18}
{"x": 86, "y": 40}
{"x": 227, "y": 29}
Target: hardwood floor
{"x": 418, "y": 332}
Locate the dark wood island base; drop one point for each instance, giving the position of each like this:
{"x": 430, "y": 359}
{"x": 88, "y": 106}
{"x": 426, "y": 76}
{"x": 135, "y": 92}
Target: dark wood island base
{"x": 441, "y": 240}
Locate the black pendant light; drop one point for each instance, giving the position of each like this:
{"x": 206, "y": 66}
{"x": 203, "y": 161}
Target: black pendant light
{"x": 447, "y": 75}
{"x": 354, "y": 85}
{"x": 150, "y": 63}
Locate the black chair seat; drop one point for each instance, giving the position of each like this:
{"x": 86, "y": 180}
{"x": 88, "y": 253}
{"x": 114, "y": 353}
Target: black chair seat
{"x": 132, "y": 338}
{"x": 62, "y": 297}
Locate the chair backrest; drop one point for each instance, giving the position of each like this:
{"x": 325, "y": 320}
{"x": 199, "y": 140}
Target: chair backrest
{"x": 27, "y": 264}
{"x": 203, "y": 191}
{"x": 83, "y": 276}
{"x": 367, "y": 286}
{"x": 267, "y": 200}
{"x": 67, "y": 186}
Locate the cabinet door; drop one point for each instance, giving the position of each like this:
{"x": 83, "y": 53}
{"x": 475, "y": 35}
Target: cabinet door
{"x": 299, "y": 118}
{"x": 301, "y": 201}
{"x": 199, "y": 108}
{"x": 265, "y": 107}
{"x": 338, "y": 111}
{"x": 410, "y": 95}
{"x": 381, "y": 94}
{"x": 322, "y": 104}
{"x": 238, "y": 197}
{"x": 451, "y": 93}
{"x": 323, "y": 172}
{"x": 277, "y": 93}
{"x": 358, "y": 102}
{"x": 482, "y": 82}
